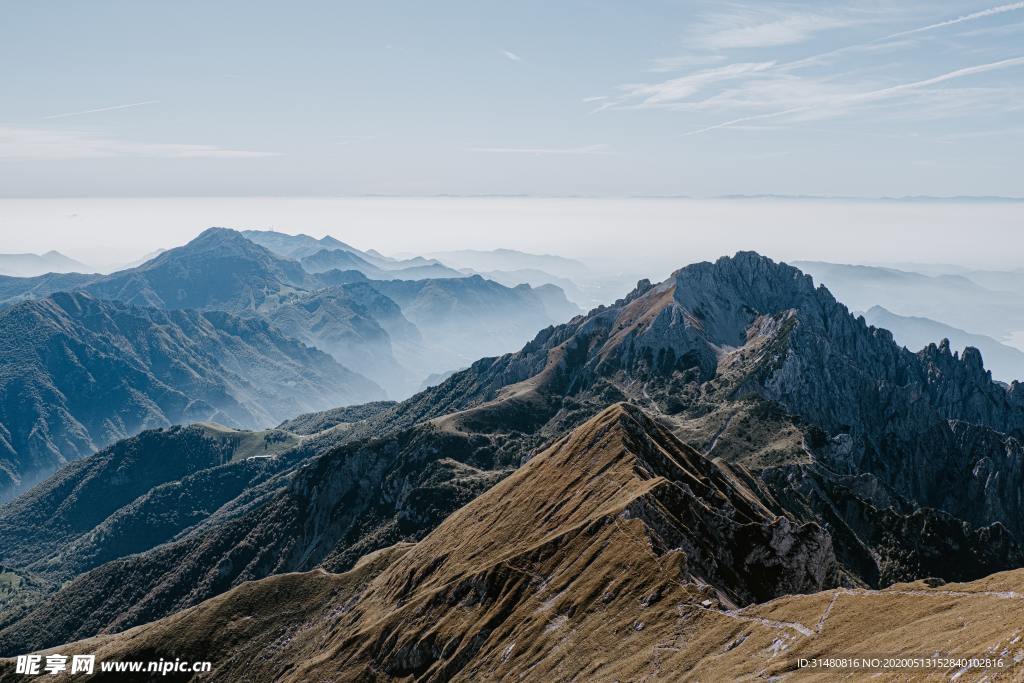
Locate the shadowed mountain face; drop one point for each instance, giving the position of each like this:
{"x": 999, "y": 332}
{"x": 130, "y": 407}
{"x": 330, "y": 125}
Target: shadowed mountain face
{"x": 79, "y": 373}
{"x": 325, "y": 505}
{"x": 787, "y": 446}
{"x": 88, "y": 493}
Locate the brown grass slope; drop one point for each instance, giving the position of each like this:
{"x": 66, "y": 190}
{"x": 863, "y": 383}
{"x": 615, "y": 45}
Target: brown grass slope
{"x": 574, "y": 568}
{"x": 555, "y": 571}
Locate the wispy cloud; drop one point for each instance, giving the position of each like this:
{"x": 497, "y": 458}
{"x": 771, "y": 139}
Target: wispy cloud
{"x": 890, "y": 40}
{"x": 753, "y": 27}
{"x": 40, "y": 144}
{"x": 839, "y": 104}
{"x": 992, "y": 11}
{"x": 989, "y": 31}
{"x": 512, "y": 55}
{"x": 778, "y": 93}
{"x": 540, "y": 151}
{"x": 101, "y": 109}
{"x": 727, "y": 29}
{"x": 675, "y": 89}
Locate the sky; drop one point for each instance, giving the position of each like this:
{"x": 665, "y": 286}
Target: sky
{"x": 141, "y": 98}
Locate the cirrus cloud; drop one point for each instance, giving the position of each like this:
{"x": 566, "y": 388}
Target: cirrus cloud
{"x": 44, "y": 144}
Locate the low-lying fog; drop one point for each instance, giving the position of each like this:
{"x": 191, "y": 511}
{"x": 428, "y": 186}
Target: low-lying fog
{"x": 646, "y": 236}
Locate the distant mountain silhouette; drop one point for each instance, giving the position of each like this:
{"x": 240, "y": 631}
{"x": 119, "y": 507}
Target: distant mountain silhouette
{"x": 357, "y": 325}
{"x": 510, "y": 259}
{"x": 463, "y": 318}
{"x": 955, "y": 299}
{"x": 306, "y": 248}
{"x": 296, "y": 246}
{"x": 330, "y": 259}
{"x": 31, "y": 265}
{"x": 581, "y": 285}
{"x": 534, "y": 278}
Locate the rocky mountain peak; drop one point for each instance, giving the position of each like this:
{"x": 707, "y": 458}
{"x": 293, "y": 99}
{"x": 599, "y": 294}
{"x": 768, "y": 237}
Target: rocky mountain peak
{"x": 221, "y": 241}
{"x": 729, "y": 294}
{"x": 219, "y": 269}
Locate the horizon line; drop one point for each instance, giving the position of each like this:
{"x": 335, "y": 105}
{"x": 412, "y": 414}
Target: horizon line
{"x": 512, "y": 195}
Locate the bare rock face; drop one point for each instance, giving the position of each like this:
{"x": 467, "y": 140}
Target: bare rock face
{"x": 928, "y": 429}
{"x": 741, "y": 547}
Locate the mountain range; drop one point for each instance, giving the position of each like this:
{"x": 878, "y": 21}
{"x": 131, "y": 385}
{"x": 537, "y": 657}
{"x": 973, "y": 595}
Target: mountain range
{"x": 337, "y": 259}
{"x": 223, "y": 300}
{"x": 327, "y": 253}
{"x": 581, "y": 284}
{"x": 79, "y": 373}
{"x": 225, "y": 270}
{"x": 712, "y": 471}
{"x": 30, "y": 265}
{"x": 511, "y": 260}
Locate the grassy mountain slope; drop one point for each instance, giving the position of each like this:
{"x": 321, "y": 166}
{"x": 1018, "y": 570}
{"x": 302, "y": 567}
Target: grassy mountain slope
{"x": 614, "y": 554}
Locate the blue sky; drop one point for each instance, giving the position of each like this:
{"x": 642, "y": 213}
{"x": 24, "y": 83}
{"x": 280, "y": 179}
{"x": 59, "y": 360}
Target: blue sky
{"x": 147, "y": 98}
